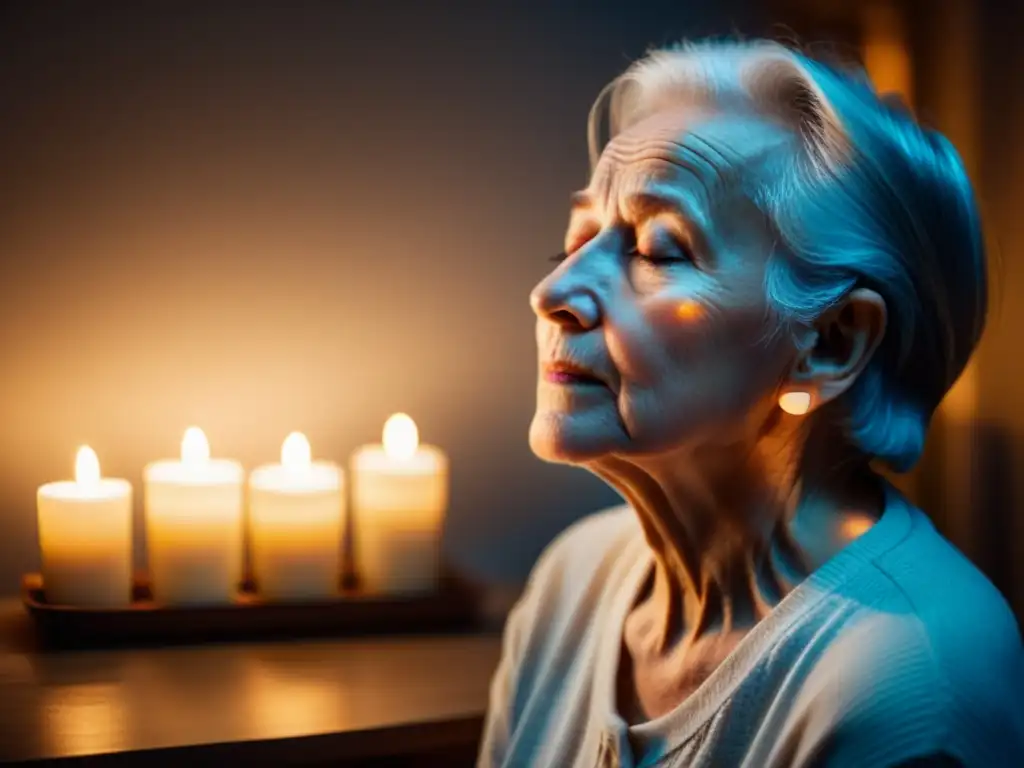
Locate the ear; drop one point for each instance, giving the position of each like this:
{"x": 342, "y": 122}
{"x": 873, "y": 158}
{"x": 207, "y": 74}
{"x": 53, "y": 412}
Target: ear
{"x": 845, "y": 338}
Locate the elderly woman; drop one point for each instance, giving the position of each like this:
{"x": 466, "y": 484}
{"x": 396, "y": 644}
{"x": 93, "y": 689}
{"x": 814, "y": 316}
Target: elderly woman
{"x": 769, "y": 284}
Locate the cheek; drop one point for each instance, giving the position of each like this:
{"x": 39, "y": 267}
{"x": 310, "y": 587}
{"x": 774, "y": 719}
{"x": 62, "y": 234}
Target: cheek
{"x": 695, "y": 354}
{"x": 664, "y": 334}
{"x": 688, "y": 311}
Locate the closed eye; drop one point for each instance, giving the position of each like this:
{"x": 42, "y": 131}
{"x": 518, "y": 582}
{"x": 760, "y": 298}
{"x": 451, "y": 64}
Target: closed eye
{"x": 659, "y": 260}
{"x": 635, "y": 253}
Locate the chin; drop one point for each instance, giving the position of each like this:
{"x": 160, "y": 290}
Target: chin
{"x": 572, "y": 438}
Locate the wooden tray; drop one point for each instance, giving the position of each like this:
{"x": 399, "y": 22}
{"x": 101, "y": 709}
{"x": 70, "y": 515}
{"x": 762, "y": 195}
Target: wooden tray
{"x": 453, "y": 607}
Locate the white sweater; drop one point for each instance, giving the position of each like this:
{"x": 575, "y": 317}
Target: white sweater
{"x": 896, "y": 651}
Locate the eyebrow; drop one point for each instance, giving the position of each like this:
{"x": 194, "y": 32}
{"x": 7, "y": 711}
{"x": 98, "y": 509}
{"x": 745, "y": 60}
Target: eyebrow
{"x": 641, "y": 205}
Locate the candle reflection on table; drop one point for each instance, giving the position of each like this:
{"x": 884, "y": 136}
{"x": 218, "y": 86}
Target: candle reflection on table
{"x": 284, "y": 702}
{"x": 84, "y": 719}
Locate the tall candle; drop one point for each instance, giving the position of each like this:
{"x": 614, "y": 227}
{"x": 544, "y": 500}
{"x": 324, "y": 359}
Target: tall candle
{"x": 85, "y": 537}
{"x": 194, "y": 525}
{"x": 295, "y": 524}
{"x": 400, "y": 496}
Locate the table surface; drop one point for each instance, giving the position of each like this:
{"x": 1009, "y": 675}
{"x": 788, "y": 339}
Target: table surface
{"x": 338, "y": 699}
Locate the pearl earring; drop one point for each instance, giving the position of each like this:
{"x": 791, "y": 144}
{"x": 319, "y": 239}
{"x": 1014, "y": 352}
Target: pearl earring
{"x": 796, "y": 403}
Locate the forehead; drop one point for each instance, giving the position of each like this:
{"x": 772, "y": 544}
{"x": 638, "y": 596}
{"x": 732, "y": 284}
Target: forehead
{"x": 688, "y": 152}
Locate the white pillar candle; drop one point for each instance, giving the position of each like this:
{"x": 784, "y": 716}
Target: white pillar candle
{"x": 85, "y": 537}
{"x": 400, "y": 496}
{"x": 295, "y": 524}
{"x": 194, "y": 525}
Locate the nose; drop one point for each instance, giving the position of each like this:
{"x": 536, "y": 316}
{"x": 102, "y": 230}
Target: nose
{"x": 566, "y": 301}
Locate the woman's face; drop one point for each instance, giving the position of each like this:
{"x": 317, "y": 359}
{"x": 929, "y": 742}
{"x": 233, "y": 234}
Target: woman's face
{"x": 653, "y": 333}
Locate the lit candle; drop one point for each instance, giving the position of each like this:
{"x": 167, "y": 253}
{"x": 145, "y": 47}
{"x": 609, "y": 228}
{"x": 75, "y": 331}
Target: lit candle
{"x": 85, "y": 537}
{"x": 194, "y": 525}
{"x": 295, "y": 524}
{"x": 400, "y": 496}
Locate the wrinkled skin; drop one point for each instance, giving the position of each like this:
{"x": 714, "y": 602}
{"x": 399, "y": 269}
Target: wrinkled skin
{"x": 661, "y": 369}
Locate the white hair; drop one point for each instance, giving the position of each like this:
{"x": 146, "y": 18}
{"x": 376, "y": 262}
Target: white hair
{"x": 868, "y": 197}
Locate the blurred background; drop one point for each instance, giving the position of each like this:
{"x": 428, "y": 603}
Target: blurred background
{"x": 261, "y": 217}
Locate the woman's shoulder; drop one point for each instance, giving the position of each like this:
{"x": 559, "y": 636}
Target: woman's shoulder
{"x": 603, "y": 528}
{"x": 934, "y": 651}
{"x": 576, "y": 573}
{"x": 592, "y": 548}
{"x": 969, "y": 625}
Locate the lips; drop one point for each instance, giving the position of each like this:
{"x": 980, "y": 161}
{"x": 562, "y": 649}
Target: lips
{"x": 570, "y": 373}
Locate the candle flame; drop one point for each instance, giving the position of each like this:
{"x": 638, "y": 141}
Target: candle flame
{"x": 401, "y": 438}
{"x": 87, "y": 466}
{"x": 194, "y": 447}
{"x": 295, "y": 452}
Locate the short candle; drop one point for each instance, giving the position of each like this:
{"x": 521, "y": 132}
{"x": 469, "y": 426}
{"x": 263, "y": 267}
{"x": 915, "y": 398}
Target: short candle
{"x": 296, "y": 514}
{"x": 400, "y": 497}
{"x": 85, "y": 537}
{"x": 194, "y": 525}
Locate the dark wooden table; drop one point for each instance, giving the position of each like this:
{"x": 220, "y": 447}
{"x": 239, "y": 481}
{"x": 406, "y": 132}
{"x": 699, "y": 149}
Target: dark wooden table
{"x": 367, "y": 702}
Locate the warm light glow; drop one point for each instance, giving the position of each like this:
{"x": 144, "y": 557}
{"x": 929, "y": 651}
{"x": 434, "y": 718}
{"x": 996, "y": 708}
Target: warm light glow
{"x": 401, "y": 438}
{"x": 855, "y": 527}
{"x": 689, "y": 310}
{"x": 87, "y": 466}
{"x": 295, "y": 452}
{"x": 797, "y": 403}
{"x": 194, "y": 447}
{"x": 886, "y": 53}
{"x": 286, "y": 702}
{"x": 84, "y": 718}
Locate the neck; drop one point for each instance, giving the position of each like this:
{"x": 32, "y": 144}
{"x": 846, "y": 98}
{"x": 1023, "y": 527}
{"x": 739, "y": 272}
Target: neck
{"x": 734, "y": 528}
